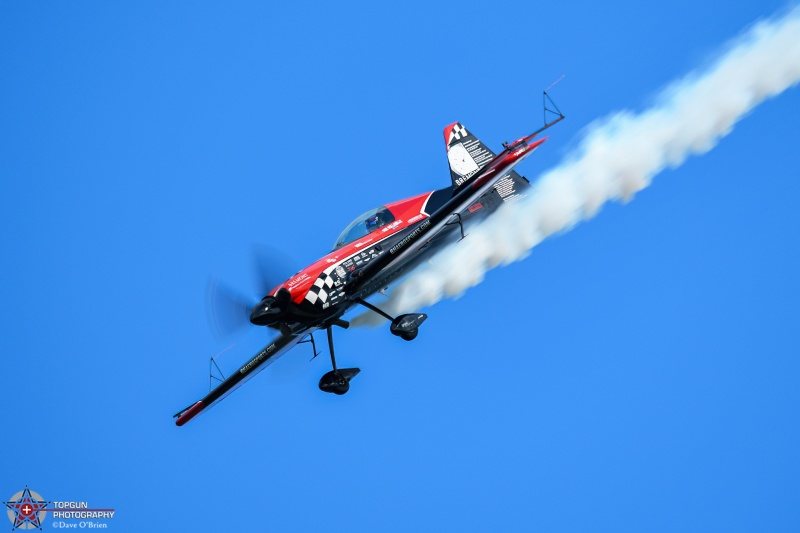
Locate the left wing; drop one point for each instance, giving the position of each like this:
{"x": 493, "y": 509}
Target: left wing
{"x": 256, "y": 364}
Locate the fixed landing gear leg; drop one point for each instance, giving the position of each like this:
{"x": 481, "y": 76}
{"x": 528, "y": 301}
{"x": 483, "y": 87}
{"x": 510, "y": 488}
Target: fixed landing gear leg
{"x": 404, "y": 326}
{"x": 337, "y": 380}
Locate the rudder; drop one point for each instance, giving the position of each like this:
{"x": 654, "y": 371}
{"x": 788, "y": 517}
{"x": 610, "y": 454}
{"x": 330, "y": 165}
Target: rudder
{"x": 466, "y": 154}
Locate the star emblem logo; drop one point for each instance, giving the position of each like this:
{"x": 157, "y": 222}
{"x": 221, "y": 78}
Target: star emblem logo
{"x": 26, "y": 509}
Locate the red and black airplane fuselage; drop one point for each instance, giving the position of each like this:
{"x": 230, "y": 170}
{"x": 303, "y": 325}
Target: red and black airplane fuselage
{"x": 330, "y": 286}
{"x": 374, "y": 251}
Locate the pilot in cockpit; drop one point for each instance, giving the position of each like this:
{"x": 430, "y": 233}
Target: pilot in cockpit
{"x": 376, "y": 221}
{"x": 373, "y": 223}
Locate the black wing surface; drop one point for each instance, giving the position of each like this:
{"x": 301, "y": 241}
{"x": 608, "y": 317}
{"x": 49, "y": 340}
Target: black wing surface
{"x": 256, "y": 364}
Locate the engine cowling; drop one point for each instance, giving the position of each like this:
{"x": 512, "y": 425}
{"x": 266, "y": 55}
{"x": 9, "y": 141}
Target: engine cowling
{"x": 270, "y": 309}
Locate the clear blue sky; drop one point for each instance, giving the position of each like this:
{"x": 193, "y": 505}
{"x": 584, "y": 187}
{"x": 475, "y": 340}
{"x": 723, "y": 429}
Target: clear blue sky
{"x": 639, "y": 373}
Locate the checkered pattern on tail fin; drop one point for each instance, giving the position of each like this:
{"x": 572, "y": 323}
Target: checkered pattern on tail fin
{"x": 466, "y": 154}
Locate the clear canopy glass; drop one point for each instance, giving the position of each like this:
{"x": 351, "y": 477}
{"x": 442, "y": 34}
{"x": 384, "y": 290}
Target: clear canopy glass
{"x": 364, "y": 225}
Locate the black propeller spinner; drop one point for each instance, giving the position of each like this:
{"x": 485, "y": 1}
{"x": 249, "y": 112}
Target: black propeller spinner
{"x": 230, "y": 312}
{"x": 269, "y": 311}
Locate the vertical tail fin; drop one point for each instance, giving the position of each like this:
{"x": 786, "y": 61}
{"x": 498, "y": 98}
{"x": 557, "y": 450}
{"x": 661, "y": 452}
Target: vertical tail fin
{"x": 466, "y": 154}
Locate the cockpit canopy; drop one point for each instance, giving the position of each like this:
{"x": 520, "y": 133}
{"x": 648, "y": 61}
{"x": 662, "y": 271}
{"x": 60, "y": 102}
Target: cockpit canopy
{"x": 364, "y": 225}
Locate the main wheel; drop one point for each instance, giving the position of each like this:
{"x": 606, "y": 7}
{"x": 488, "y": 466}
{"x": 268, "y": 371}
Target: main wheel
{"x": 334, "y": 382}
{"x": 409, "y": 335}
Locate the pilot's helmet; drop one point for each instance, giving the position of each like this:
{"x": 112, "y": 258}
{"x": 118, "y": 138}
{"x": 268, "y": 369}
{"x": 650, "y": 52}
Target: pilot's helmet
{"x": 372, "y": 222}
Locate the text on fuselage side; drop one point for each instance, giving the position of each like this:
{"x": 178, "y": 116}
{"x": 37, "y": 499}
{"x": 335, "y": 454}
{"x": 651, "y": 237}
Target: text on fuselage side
{"x": 410, "y": 237}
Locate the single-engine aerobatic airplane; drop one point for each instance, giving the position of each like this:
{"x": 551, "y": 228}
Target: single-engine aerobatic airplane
{"x": 377, "y": 248}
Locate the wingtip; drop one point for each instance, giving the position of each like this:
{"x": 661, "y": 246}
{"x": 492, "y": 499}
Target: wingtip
{"x": 190, "y": 413}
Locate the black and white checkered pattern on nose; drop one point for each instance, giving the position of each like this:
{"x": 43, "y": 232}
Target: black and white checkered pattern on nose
{"x": 321, "y": 288}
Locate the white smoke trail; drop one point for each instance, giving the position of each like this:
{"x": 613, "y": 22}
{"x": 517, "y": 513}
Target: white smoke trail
{"x": 617, "y": 158}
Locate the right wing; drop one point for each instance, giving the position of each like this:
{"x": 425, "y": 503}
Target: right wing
{"x": 477, "y": 175}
